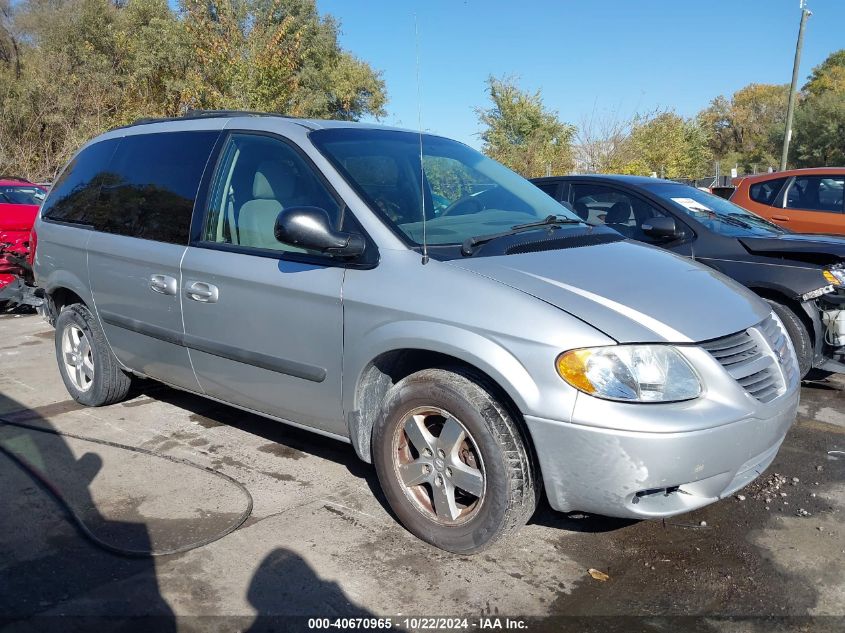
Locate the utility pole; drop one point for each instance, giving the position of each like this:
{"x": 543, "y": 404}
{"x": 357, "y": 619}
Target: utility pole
{"x": 790, "y": 110}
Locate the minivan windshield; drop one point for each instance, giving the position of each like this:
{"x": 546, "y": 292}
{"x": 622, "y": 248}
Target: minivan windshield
{"x": 715, "y": 213}
{"x": 464, "y": 193}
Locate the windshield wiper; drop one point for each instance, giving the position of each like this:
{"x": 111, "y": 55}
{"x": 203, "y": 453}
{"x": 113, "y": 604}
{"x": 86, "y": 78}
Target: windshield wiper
{"x": 551, "y": 221}
{"x": 729, "y": 219}
{"x": 755, "y": 222}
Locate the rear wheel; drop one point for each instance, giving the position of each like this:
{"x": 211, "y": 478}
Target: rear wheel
{"x": 452, "y": 461}
{"x": 89, "y": 370}
{"x": 798, "y": 334}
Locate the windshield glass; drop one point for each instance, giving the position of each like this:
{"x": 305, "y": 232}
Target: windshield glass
{"x": 464, "y": 193}
{"x": 715, "y": 213}
{"x": 21, "y": 194}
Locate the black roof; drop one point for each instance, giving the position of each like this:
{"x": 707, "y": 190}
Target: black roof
{"x": 205, "y": 114}
{"x": 623, "y": 178}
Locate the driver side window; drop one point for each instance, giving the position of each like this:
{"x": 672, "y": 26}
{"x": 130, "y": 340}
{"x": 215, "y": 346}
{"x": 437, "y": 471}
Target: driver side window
{"x": 616, "y": 209}
{"x": 258, "y": 178}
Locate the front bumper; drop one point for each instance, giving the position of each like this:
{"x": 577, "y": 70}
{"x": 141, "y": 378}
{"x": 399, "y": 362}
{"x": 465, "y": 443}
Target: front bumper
{"x": 628, "y": 473}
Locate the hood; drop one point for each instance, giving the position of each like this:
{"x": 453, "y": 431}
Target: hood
{"x": 631, "y": 292}
{"x": 818, "y": 249}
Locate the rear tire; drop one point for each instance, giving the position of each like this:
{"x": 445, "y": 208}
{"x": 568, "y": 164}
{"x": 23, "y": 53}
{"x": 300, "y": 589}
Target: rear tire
{"x": 798, "y": 334}
{"x": 452, "y": 461}
{"x": 90, "y": 371}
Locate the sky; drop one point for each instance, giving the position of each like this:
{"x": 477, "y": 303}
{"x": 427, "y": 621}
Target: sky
{"x": 608, "y": 57}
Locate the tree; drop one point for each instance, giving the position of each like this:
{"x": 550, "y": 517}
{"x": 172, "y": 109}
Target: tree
{"x": 278, "y": 56}
{"x": 829, "y": 76}
{"x": 819, "y": 130}
{"x": 70, "y": 69}
{"x": 664, "y": 143}
{"x": 522, "y": 134}
{"x": 747, "y": 129}
{"x": 600, "y": 142}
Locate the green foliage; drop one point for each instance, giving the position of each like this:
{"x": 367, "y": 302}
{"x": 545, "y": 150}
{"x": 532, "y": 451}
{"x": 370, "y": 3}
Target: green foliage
{"x": 829, "y": 76}
{"x": 522, "y": 134}
{"x": 747, "y": 129}
{"x": 818, "y": 137}
{"x": 819, "y": 131}
{"x": 277, "y": 56}
{"x": 70, "y": 69}
{"x": 666, "y": 144}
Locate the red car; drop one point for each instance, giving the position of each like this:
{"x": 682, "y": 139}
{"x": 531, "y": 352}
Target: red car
{"x": 19, "y": 204}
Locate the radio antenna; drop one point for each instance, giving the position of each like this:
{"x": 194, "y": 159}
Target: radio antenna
{"x": 419, "y": 127}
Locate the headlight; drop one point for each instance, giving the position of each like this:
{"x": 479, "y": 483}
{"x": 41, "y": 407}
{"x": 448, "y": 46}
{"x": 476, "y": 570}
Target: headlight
{"x": 836, "y": 276}
{"x": 631, "y": 373}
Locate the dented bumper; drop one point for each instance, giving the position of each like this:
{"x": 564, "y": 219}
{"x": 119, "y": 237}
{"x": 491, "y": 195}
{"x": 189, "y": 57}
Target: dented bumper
{"x": 624, "y": 472}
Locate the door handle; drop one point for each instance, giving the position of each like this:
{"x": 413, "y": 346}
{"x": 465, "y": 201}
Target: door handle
{"x": 163, "y": 284}
{"x": 780, "y": 218}
{"x": 202, "y": 292}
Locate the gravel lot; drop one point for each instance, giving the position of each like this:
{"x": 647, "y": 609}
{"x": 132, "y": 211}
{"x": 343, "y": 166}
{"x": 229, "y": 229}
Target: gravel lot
{"x": 320, "y": 540}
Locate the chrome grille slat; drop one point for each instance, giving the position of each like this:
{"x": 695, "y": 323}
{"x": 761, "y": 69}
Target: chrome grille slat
{"x": 745, "y": 357}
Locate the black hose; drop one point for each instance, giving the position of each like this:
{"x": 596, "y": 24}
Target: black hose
{"x": 77, "y": 520}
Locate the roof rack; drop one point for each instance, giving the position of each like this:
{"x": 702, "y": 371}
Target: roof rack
{"x": 205, "y": 114}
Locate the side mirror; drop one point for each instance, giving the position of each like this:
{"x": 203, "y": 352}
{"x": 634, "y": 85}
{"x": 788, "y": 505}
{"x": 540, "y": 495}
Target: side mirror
{"x": 662, "y": 228}
{"x": 311, "y": 228}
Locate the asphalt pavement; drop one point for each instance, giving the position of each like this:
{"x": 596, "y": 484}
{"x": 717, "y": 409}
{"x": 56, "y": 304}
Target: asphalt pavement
{"x": 321, "y": 541}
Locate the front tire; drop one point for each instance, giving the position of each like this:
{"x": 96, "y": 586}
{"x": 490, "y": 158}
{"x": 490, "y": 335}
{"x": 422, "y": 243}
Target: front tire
{"x": 452, "y": 461}
{"x": 798, "y": 334}
{"x": 88, "y": 367}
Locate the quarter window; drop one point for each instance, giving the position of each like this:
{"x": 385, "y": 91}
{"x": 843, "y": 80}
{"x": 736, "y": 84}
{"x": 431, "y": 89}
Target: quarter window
{"x": 77, "y": 191}
{"x": 816, "y": 193}
{"x": 767, "y": 191}
{"x": 258, "y": 178}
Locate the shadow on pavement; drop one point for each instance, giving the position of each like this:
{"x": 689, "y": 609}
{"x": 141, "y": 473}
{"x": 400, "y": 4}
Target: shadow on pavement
{"x": 44, "y": 561}
{"x": 54, "y": 579}
{"x": 284, "y": 586}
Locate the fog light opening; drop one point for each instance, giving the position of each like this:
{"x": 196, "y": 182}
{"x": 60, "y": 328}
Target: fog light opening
{"x": 650, "y": 492}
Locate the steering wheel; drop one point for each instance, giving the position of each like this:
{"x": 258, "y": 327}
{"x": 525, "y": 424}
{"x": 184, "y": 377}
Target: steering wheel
{"x": 471, "y": 203}
{"x": 390, "y": 208}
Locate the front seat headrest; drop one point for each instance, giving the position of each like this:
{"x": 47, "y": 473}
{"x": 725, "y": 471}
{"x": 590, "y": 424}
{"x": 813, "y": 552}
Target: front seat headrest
{"x": 582, "y": 210}
{"x": 273, "y": 180}
{"x": 619, "y": 213}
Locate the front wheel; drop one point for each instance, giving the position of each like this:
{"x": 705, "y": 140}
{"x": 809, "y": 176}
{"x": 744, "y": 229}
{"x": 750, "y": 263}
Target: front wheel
{"x": 452, "y": 461}
{"x": 798, "y": 334}
{"x": 89, "y": 370}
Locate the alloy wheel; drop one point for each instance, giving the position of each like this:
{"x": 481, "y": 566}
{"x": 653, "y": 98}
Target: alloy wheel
{"x": 439, "y": 466}
{"x": 78, "y": 357}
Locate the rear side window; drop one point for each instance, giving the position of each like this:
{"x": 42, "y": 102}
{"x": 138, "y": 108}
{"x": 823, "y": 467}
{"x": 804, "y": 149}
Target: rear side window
{"x": 77, "y": 190}
{"x": 151, "y": 185}
{"x": 816, "y": 193}
{"x": 765, "y": 192}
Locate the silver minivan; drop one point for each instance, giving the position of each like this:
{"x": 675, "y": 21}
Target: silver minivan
{"x": 472, "y": 338}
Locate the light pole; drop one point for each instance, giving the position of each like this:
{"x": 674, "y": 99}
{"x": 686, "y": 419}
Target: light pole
{"x": 790, "y": 110}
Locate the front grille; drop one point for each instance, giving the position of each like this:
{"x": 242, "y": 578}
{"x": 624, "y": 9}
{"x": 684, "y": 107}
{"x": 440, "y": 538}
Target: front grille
{"x": 760, "y": 359}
